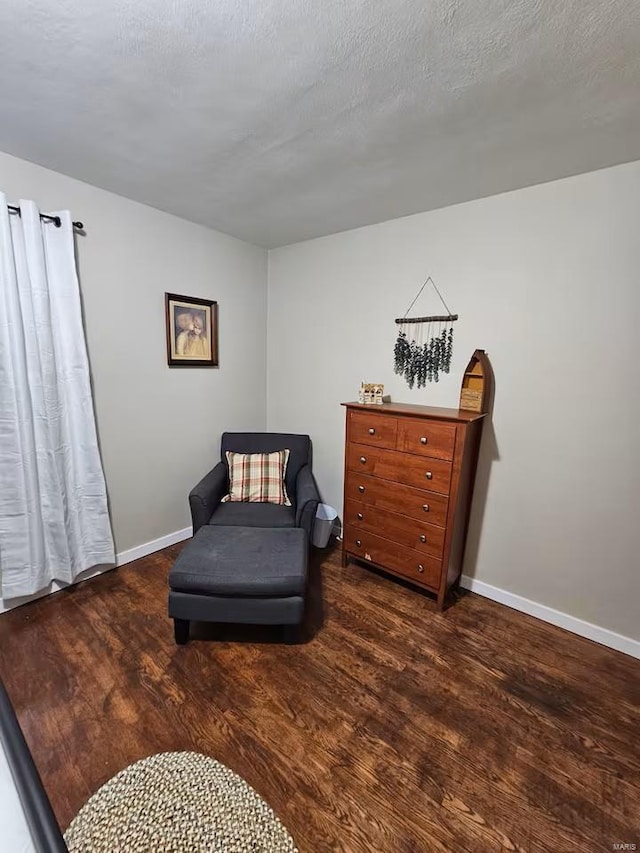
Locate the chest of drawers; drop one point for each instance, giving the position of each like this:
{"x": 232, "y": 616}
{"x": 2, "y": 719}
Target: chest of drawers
{"x": 408, "y": 484}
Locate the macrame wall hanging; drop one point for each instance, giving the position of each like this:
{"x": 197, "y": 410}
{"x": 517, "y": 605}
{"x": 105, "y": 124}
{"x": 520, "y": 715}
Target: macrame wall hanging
{"x": 422, "y": 356}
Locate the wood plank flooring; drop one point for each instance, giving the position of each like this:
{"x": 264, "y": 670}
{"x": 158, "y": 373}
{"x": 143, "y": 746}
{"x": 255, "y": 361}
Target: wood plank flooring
{"x": 392, "y": 728}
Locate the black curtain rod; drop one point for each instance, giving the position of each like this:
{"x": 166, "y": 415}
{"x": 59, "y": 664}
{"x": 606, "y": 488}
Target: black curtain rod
{"x": 55, "y": 219}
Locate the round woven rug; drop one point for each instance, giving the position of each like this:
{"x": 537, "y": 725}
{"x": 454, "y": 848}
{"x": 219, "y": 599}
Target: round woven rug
{"x": 177, "y": 802}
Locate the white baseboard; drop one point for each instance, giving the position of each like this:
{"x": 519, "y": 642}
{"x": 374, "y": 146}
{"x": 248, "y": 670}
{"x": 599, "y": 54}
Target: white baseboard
{"x": 122, "y": 559}
{"x": 556, "y": 617}
{"x": 132, "y": 554}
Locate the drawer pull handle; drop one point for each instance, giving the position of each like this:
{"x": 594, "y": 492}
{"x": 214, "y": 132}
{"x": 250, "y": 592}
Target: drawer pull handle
{"x": 425, "y": 507}
{"x": 420, "y": 568}
{"x": 359, "y": 516}
{"x": 372, "y": 431}
{"x": 358, "y": 543}
{"x": 361, "y": 488}
{"x": 363, "y": 459}
{"x": 429, "y": 475}
{"x": 423, "y": 440}
{"x": 423, "y": 538}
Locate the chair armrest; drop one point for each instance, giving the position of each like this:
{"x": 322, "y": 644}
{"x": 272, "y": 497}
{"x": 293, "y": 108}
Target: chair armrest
{"x": 205, "y": 497}
{"x": 307, "y": 499}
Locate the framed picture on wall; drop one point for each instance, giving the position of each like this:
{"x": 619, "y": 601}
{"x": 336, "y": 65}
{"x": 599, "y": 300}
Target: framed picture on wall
{"x": 192, "y": 331}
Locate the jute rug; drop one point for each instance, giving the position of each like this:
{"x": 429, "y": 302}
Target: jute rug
{"x": 177, "y": 802}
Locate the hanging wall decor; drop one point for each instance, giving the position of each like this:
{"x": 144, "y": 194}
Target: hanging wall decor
{"x": 422, "y": 356}
{"x": 192, "y": 331}
{"x": 477, "y": 384}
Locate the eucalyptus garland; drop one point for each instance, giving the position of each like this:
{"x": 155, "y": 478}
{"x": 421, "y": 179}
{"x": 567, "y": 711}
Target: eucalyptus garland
{"x": 421, "y": 363}
{"x": 401, "y": 352}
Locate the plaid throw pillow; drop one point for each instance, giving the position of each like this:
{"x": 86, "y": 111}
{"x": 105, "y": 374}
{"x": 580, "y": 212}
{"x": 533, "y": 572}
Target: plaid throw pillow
{"x": 258, "y": 477}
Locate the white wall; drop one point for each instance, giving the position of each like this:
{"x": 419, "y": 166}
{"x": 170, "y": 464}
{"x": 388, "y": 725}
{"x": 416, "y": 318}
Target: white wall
{"x": 159, "y": 427}
{"x": 546, "y": 280}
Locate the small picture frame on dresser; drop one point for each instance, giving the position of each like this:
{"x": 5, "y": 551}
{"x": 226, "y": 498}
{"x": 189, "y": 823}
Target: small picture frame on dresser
{"x": 372, "y": 393}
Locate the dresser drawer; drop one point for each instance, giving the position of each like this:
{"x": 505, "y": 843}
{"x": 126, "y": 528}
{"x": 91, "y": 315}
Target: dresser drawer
{"x": 422, "y": 473}
{"x": 417, "y": 567}
{"x": 418, "y": 504}
{"x": 376, "y": 430}
{"x": 426, "y": 438}
{"x": 426, "y": 538}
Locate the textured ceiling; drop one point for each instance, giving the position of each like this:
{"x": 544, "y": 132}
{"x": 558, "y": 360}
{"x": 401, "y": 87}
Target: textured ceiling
{"x": 277, "y": 121}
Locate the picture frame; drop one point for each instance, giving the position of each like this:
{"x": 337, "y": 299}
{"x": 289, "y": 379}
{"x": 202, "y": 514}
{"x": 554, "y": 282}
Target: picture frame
{"x": 192, "y": 331}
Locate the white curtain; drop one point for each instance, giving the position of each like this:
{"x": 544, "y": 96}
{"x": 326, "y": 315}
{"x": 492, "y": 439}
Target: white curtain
{"x": 54, "y": 521}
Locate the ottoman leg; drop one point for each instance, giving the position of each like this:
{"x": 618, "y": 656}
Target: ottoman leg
{"x": 291, "y": 634}
{"x": 181, "y": 631}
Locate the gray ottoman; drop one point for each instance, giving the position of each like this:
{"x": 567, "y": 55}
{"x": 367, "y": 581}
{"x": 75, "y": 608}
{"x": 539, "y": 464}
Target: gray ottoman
{"x": 252, "y": 575}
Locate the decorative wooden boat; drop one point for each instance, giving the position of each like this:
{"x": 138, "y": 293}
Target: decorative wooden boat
{"x": 477, "y": 384}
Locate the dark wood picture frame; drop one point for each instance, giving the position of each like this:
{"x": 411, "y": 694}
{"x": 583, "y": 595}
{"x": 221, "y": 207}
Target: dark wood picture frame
{"x": 192, "y": 331}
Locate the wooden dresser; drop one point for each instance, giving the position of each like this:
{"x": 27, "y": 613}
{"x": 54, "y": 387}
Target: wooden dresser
{"x": 408, "y": 484}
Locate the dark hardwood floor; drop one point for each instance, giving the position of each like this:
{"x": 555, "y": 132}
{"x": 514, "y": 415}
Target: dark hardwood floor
{"x": 393, "y": 728}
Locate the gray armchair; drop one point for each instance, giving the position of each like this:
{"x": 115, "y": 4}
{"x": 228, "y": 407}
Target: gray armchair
{"x": 205, "y": 499}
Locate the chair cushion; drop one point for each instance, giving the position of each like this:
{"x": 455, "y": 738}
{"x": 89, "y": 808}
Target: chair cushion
{"x": 257, "y": 477}
{"x": 234, "y": 514}
{"x": 242, "y": 561}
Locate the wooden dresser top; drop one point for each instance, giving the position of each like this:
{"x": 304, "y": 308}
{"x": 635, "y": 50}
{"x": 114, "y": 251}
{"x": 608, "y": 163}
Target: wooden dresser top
{"x": 419, "y": 411}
